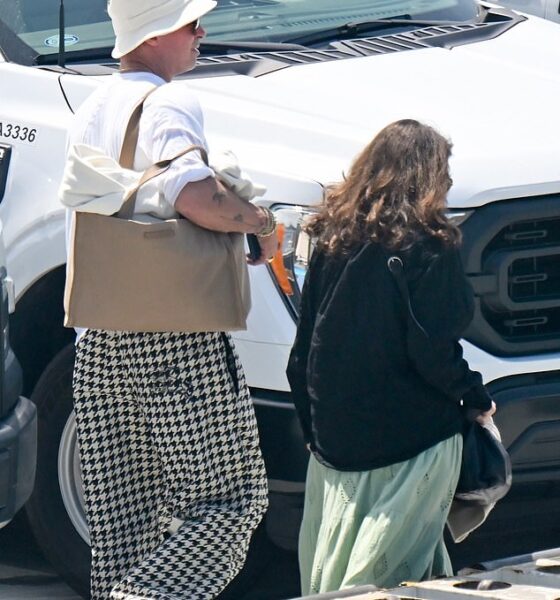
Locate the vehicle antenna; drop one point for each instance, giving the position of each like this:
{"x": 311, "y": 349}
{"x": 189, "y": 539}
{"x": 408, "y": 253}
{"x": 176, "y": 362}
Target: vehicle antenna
{"x": 61, "y": 35}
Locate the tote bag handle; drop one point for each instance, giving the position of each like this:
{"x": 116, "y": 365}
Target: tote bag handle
{"x": 128, "y": 150}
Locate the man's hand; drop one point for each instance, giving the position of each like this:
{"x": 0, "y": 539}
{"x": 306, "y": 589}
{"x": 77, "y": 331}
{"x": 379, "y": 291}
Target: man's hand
{"x": 269, "y": 247}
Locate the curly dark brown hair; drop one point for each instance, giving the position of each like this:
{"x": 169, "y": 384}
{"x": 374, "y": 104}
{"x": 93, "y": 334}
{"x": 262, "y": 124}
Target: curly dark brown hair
{"x": 394, "y": 194}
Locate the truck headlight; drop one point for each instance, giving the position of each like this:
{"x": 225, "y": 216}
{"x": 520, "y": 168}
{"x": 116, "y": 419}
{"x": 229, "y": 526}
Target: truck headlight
{"x": 289, "y": 266}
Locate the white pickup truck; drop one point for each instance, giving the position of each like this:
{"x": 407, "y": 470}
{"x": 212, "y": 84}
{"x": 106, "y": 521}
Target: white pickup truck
{"x": 296, "y": 88}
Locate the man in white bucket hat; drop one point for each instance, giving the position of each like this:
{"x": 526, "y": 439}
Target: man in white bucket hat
{"x": 136, "y": 22}
{"x": 165, "y": 424}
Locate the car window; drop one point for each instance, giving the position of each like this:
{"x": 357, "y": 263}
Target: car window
{"x": 280, "y": 20}
{"x": 87, "y": 25}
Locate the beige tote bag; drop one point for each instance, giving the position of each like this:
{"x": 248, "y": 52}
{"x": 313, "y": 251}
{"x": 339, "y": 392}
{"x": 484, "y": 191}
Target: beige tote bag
{"x": 169, "y": 275}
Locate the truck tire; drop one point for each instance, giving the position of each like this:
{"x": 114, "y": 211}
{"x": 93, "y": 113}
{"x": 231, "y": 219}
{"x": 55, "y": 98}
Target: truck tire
{"x": 55, "y": 510}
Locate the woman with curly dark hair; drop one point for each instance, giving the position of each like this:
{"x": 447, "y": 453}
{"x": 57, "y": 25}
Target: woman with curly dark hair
{"x": 380, "y": 403}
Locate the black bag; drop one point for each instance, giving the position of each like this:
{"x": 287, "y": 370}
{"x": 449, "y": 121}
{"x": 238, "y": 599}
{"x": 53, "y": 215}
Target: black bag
{"x": 485, "y": 465}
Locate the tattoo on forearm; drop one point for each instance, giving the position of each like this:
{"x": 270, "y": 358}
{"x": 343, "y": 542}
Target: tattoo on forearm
{"x": 219, "y": 197}
{"x": 239, "y": 218}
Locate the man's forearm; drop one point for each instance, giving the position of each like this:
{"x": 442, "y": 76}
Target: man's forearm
{"x": 210, "y": 204}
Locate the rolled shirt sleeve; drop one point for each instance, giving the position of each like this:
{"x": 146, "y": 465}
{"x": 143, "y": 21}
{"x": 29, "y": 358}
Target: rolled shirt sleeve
{"x": 172, "y": 121}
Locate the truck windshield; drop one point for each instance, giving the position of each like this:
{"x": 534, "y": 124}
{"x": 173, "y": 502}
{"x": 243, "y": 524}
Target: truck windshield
{"x": 87, "y": 25}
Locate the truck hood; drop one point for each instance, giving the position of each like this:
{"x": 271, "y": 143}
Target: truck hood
{"x": 497, "y": 101}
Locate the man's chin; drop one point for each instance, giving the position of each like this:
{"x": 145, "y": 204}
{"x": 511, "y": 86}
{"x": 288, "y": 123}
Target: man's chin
{"x": 189, "y": 66}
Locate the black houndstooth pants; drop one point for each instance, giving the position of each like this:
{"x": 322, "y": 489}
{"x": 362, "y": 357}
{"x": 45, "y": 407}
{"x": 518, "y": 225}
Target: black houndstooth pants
{"x": 166, "y": 429}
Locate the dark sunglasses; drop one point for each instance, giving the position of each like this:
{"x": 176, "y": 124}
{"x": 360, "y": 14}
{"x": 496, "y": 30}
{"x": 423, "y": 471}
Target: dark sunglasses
{"x": 194, "y": 25}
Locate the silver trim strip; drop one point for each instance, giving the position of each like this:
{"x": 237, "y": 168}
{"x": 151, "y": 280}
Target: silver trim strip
{"x": 272, "y": 403}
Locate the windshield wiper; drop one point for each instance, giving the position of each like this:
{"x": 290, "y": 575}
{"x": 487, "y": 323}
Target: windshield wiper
{"x": 210, "y": 47}
{"x": 355, "y": 27}
{"x": 207, "y": 48}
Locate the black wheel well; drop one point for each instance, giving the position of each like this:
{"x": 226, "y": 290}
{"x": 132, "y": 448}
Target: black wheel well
{"x": 37, "y": 332}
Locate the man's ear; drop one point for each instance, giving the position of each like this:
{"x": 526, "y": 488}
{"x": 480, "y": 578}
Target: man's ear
{"x": 152, "y": 41}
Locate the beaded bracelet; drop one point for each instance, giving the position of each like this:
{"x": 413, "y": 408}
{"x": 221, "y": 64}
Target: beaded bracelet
{"x": 270, "y": 226}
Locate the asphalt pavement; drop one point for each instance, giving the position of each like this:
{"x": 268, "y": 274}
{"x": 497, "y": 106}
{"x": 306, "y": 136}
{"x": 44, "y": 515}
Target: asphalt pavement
{"x": 518, "y": 526}
{"x": 25, "y": 574}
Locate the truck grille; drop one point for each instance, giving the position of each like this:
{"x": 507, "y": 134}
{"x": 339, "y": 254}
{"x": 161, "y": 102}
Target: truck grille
{"x": 526, "y": 234}
{"x": 535, "y": 278}
{"x": 511, "y": 252}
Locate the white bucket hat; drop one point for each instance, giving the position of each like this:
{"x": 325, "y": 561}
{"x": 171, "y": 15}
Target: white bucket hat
{"x": 136, "y": 21}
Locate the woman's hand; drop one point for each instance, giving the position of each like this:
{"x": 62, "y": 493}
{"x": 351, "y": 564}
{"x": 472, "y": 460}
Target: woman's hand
{"x": 269, "y": 247}
{"x": 485, "y": 416}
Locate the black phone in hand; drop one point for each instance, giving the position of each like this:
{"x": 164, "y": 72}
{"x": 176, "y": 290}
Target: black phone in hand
{"x": 254, "y": 246}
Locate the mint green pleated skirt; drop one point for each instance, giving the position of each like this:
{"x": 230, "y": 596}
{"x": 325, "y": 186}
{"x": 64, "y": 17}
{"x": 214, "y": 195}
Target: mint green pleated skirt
{"x": 378, "y": 527}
